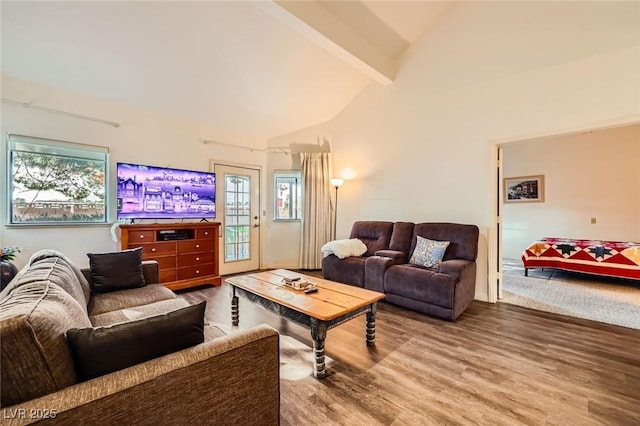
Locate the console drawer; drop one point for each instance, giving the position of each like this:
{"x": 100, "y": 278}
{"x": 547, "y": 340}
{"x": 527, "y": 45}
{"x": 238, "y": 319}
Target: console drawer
{"x": 195, "y": 271}
{"x": 165, "y": 262}
{"x": 195, "y": 259}
{"x": 167, "y": 275}
{"x": 141, "y": 237}
{"x": 151, "y": 251}
{"x": 205, "y": 233}
{"x": 194, "y": 246}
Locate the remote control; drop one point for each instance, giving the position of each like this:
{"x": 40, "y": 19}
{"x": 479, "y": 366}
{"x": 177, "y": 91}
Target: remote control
{"x": 311, "y": 290}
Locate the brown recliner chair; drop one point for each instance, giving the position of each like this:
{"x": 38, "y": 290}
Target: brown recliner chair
{"x": 376, "y": 235}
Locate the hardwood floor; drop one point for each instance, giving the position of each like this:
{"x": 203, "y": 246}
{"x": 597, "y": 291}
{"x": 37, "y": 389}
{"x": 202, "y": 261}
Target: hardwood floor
{"x": 498, "y": 364}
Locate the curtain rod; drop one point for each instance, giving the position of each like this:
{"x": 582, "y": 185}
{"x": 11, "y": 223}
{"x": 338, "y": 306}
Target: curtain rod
{"x": 60, "y": 112}
{"x": 277, "y": 149}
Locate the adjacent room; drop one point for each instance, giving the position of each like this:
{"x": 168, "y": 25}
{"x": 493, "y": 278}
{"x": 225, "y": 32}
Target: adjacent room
{"x": 315, "y": 212}
{"x": 589, "y": 193}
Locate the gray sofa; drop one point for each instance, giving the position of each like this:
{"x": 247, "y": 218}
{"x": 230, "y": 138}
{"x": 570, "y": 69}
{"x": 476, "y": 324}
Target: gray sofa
{"x": 445, "y": 290}
{"x": 227, "y": 379}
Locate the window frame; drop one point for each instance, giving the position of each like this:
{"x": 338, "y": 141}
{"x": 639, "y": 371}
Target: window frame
{"x": 35, "y": 145}
{"x": 287, "y": 174}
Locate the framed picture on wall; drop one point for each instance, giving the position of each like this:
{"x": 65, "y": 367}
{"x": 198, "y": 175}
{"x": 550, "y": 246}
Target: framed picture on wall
{"x": 524, "y": 189}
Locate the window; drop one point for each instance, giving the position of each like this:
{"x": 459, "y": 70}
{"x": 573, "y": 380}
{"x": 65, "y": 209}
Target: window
{"x": 288, "y": 195}
{"x": 237, "y": 195}
{"x": 53, "y": 182}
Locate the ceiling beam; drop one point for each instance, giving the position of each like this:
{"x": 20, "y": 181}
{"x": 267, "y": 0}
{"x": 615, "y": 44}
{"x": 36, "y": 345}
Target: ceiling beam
{"x": 318, "y": 24}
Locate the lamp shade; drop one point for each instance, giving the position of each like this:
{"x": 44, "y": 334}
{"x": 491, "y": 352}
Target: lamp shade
{"x": 337, "y": 182}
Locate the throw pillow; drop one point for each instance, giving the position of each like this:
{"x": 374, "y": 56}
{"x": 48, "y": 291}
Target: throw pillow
{"x": 102, "y": 350}
{"x": 428, "y": 252}
{"x": 116, "y": 271}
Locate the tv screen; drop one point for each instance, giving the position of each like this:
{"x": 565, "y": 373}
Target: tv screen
{"x": 149, "y": 192}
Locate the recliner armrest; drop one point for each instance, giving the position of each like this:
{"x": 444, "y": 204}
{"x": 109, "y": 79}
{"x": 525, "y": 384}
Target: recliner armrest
{"x": 397, "y": 257}
{"x": 453, "y": 267}
{"x": 374, "y": 269}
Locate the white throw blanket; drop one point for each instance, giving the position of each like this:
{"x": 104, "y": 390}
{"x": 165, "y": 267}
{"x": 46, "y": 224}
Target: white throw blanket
{"x": 344, "y": 248}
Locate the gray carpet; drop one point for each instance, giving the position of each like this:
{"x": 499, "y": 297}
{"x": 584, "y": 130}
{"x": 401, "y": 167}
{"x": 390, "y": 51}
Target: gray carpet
{"x": 606, "y": 300}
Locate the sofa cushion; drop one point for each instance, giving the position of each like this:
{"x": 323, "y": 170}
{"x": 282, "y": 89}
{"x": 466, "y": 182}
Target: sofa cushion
{"x": 116, "y": 271}
{"x": 463, "y": 238}
{"x": 137, "y": 312}
{"x": 34, "y": 354}
{"x": 376, "y": 235}
{"x": 428, "y": 252}
{"x": 102, "y": 350}
{"x": 117, "y": 300}
{"x": 401, "y": 237}
{"x": 419, "y": 283}
{"x": 344, "y": 248}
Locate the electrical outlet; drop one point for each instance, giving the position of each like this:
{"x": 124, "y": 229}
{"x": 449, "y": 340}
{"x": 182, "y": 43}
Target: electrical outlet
{"x": 593, "y": 220}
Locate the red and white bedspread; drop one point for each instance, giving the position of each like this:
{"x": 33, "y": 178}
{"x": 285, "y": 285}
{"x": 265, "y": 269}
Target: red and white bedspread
{"x": 610, "y": 258}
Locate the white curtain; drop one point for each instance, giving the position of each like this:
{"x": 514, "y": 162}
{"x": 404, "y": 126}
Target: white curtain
{"x": 317, "y": 214}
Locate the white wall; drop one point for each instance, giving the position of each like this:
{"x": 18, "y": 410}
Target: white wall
{"x": 587, "y": 175}
{"x": 420, "y": 148}
{"x": 282, "y": 248}
{"x": 144, "y": 137}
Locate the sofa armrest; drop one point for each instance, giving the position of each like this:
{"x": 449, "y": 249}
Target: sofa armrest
{"x": 149, "y": 270}
{"x": 398, "y": 257}
{"x": 454, "y": 267}
{"x": 232, "y": 379}
{"x": 374, "y": 269}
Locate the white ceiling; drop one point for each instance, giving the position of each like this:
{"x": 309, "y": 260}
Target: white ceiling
{"x": 229, "y": 64}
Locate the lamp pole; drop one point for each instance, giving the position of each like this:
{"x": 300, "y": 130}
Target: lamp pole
{"x": 336, "y": 183}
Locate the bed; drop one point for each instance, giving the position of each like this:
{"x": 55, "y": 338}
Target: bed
{"x": 606, "y": 258}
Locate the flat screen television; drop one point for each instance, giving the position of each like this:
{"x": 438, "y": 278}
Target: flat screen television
{"x": 151, "y": 192}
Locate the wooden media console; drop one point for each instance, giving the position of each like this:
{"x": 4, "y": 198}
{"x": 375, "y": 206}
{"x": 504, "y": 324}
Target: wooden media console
{"x": 187, "y": 253}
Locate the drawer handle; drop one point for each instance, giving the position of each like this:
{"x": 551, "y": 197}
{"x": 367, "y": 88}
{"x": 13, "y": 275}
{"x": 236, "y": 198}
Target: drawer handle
{"x": 206, "y": 233}
{"x": 197, "y": 271}
{"x": 153, "y": 249}
{"x": 141, "y": 237}
{"x": 197, "y": 258}
{"x": 197, "y": 245}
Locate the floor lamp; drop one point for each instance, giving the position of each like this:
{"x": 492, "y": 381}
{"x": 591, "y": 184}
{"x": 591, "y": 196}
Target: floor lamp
{"x": 336, "y": 183}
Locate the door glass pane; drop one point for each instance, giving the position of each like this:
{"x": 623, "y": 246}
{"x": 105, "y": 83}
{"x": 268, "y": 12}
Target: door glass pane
{"x": 237, "y": 217}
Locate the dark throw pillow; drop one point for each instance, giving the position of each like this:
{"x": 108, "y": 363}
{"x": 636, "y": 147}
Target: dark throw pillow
{"x": 116, "y": 271}
{"x": 102, "y": 350}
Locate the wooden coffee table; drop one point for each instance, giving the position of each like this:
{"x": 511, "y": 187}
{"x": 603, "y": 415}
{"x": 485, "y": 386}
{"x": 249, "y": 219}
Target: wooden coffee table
{"x": 332, "y": 305}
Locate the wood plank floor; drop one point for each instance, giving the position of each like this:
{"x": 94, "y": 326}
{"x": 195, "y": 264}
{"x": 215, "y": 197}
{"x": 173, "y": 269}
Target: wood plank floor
{"x": 498, "y": 364}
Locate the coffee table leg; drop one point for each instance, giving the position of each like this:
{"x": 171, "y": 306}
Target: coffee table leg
{"x": 371, "y": 325}
{"x": 235, "y": 312}
{"x": 318, "y": 334}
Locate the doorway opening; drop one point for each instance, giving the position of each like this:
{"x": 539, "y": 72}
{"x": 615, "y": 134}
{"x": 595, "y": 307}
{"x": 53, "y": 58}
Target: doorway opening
{"x": 585, "y": 173}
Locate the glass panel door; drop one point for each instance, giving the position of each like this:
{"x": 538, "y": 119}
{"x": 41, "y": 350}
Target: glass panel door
{"x": 239, "y": 208}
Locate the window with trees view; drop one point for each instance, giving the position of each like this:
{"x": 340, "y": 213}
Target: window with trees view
{"x": 288, "y": 196}
{"x": 56, "y": 182}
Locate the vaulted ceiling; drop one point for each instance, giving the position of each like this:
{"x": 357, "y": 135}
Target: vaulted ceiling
{"x": 263, "y": 68}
